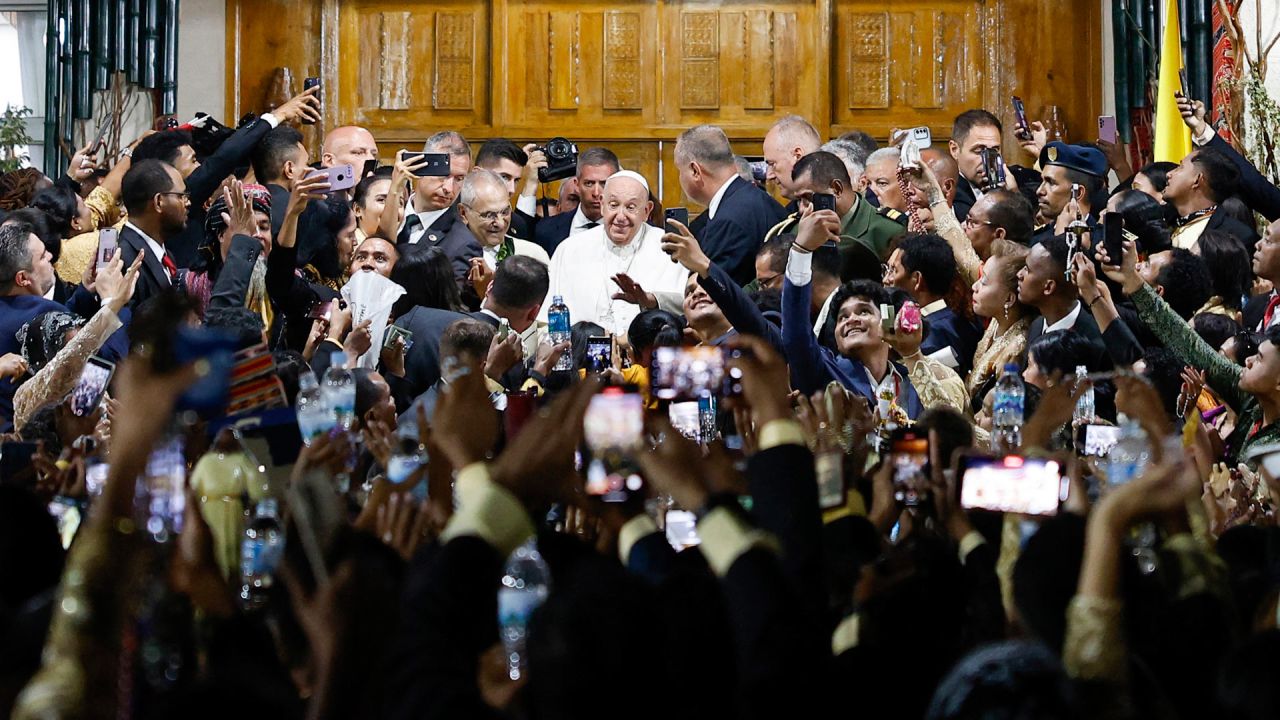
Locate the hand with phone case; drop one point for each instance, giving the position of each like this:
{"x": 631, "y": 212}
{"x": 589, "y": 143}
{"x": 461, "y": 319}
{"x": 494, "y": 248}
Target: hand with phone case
{"x": 301, "y": 108}
{"x": 1193, "y": 115}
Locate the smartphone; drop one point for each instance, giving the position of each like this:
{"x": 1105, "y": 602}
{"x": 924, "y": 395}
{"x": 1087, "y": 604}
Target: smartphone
{"x": 15, "y": 464}
{"x": 341, "y": 177}
{"x": 909, "y": 458}
{"x": 682, "y": 529}
{"x": 690, "y": 373}
{"x": 321, "y": 311}
{"x": 679, "y": 214}
{"x": 1113, "y": 236}
{"x": 102, "y": 130}
{"x": 888, "y": 319}
{"x": 395, "y": 331}
{"x": 307, "y": 84}
{"x": 1012, "y": 484}
{"x": 829, "y": 468}
{"x": 1107, "y": 128}
{"x": 613, "y": 429}
{"x": 909, "y": 319}
{"x": 1096, "y": 440}
{"x": 599, "y": 353}
{"x": 89, "y": 389}
{"x": 163, "y": 492}
{"x": 921, "y": 137}
{"x": 370, "y": 166}
{"x": 504, "y": 329}
{"x": 1021, "y": 129}
{"x": 1182, "y": 82}
{"x": 685, "y": 418}
{"x": 823, "y": 201}
{"x": 992, "y": 168}
{"x": 108, "y": 245}
{"x": 437, "y": 163}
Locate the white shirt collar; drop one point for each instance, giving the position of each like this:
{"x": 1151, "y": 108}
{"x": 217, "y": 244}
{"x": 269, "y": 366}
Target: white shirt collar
{"x": 977, "y": 191}
{"x": 156, "y": 248}
{"x": 888, "y": 383}
{"x": 715, "y": 199}
{"x": 490, "y": 255}
{"x": 53, "y": 287}
{"x": 933, "y": 307}
{"x": 1067, "y": 322}
{"x": 580, "y": 222}
{"x": 426, "y": 216}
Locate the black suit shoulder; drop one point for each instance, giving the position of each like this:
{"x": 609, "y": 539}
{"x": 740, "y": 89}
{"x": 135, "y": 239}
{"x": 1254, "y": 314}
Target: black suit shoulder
{"x": 550, "y": 232}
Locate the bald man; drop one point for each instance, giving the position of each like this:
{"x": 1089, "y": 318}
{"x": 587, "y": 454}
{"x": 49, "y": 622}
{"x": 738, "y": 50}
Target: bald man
{"x": 585, "y": 264}
{"x": 348, "y": 145}
{"x": 790, "y": 139}
{"x": 739, "y": 214}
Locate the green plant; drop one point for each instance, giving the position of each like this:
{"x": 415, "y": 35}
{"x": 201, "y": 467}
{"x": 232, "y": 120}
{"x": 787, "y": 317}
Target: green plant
{"x": 13, "y": 134}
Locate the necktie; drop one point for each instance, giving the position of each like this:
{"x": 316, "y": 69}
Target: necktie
{"x": 411, "y": 223}
{"x": 1271, "y": 310}
{"x": 169, "y": 266}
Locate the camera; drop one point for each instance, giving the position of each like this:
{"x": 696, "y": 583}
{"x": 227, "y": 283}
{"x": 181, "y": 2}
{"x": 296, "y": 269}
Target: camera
{"x": 562, "y": 160}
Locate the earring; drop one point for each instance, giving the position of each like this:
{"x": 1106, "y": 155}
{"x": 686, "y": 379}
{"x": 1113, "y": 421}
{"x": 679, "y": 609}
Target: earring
{"x": 1006, "y": 309}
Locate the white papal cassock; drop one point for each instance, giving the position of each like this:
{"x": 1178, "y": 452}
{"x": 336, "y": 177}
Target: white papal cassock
{"x": 584, "y": 264}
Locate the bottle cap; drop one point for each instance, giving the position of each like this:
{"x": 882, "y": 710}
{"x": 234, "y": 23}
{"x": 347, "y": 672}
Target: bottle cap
{"x": 1011, "y": 367}
{"x": 307, "y": 381}
{"x": 338, "y": 358}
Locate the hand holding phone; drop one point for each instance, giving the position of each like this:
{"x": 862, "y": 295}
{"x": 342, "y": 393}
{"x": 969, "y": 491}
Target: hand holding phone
{"x": 108, "y": 245}
{"x": 678, "y": 214}
{"x": 427, "y": 164}
{"x": 823, "y": 201}
{"x": 340, "y": 177}
{"x": 1021, "y": 129}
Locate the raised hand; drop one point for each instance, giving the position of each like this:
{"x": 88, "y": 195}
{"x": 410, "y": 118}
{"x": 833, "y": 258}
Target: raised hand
{"x": 13, "y": 366}
{"x": 548, "y": 355}
{"x": 1193, "y": 114}
{"x": 402, "y": 524}
{"x": 83, "y": 163}
{"x": 537, "y": 466}
{"x": 503, "y": 355}
{"x": 465, "y": 425}
{"x": 239, "y": 213}
{"x": 630, "y": 291}
{"x": 1036, "y": 139}
{"x": 480, "y": 275}
{"x": 683, "y": 248}
{"x": 816, "y": 228}
{"x": 303, "y": 107}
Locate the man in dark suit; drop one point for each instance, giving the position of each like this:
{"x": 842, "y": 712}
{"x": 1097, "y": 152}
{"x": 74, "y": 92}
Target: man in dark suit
{"x": 1261, "y": 311}
{"x": 739, "y": 214}
{"x": 595, "y": 165}
{"x": 924, "y": 266}
{"x": 431, "y": 214}
{"x": 1255, "y": 189}
{"x": 460, "y": 245}
{"x": 203, "y": 178}
{"x": 973, "y": 132}
{"x": 26, "y": 276}
{"x": 1042, "y": 284}
{"x": 1203, "y": 179}
{"x": 156, "y": 197}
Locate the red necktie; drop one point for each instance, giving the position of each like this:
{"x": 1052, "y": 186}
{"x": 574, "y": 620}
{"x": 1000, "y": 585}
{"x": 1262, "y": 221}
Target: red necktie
{"x": 1271, "y": 310}
{"x": 172, "y": 269}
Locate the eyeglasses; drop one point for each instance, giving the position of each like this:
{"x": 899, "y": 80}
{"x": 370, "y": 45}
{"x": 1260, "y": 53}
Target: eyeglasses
{"x": 969, "y": 222}
{"x": 492, "y": 215}
{"x": 180, "y": 195}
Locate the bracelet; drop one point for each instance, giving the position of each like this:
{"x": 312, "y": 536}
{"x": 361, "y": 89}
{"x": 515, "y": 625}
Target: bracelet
{"x": 797, "y": 247}
{"x": 126, "y": 152}
{"x": 916, "y": 354}
{"x": 1094, "y": 302}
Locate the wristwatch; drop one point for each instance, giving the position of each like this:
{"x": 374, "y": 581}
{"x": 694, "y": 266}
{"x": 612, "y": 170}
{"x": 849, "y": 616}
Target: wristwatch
{"x": 126, "y": 152}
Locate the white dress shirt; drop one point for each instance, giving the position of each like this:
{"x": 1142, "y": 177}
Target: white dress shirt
{"x": 427, "y": 217}
{"x": 1067, "y": 322}
{"x": 156, "y": 248}
{"x": 715, "y": 199}
{"x": 580, "y": 222}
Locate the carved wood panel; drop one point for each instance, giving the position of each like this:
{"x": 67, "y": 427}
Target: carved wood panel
{"x": 631, "y": 74}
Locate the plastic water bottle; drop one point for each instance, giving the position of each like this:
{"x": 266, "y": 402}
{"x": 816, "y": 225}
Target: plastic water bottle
{"x": 1007, "y": 407}
{"x": 558, "y": 328}
{"x": 1131, "y": 454}
{"x": 260, "y": 552}
{"x": 1085, "y": 411}
{"x": 408, "y": 456}
{"x": 315, "y": 417}
{"x": 525, "y": 585}
{"x": 340, "y": 391}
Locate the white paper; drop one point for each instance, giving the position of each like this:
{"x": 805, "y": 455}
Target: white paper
{"x": 370, "y": 297}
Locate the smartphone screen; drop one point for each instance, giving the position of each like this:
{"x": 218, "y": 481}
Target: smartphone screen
{"x": 682, "y": 529}
{"x": 599, "y": 353}
{"x": 685, "y": 418}
{"x": 1097, "y": 440}
{"x": 1113, "y": 236}
{"x": 689, "y": 373}
{"x": 613, "y": 429}
{"x": 165, "y": 484}
{"x": 89, "y": 389}
{"x": 1022, "y": 130}
{"x": 108, "y": 244}
{"x": 909, "y": 455}
{"x": 1027, "y": 486}
{"x": 1107, "y": 128}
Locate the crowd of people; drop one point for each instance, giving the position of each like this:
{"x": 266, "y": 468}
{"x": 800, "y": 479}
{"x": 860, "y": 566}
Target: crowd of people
{"x": 813, "y": 385}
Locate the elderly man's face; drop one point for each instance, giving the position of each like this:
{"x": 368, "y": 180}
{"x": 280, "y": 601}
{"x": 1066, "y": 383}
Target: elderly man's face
{"x": 882, "y": 179}
{"x": 626, "y": 208}
{"x": 489, "y": 215}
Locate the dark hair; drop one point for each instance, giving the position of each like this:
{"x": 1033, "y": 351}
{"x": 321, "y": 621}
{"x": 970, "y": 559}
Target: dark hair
{"x": 1158, "y": 174}
{"x": 1186, "y": 281}
{"x": 1222, "y": 175}
{"x": 520, "y": 281}
{"x": 15, "y": 256}
{"x": 1247, "y": 345}
{"x": 1014, "y": 679}
{"x": 1230, "y": 267}
{"x": 777, "y": 249}
{"x": 1062, "y": 351}
{"x": 361, "y": 194}
{"x": 865, "y": 142}
{"x": 966, "y": 121}
{"x": 826, "y": 261}
{"x": 1092, "y": 185}
{"x": 495, "y": 149}
{"x": 1144, "y": 216}
{"x": 319, "y": 246}
{"x": 44, "y": 336}
{"x": 769, "y": 303}
{"x": 273, "y": 150}
{"x": 42, "y": 426}
{"x": 1010, "y": 210}
{"x": 366, "y": 392}
{"x": 1045, "y": 577}
{"x": 468, "y": 336}
{"x": 931, "y": 256}
{"x": 1164, "y": 372}
{"x": 41, "y": 227}
{"x": 822, "y": 168}
{"x": 578, "y": 335}
{"x": 872, "y": 291}
{"x": 289, "y": 366}
{"x": 655, "y": 328}
{"x": 1058, "y": 253}
{"x": 60, "y": 205}
{"x": 598, "y": 156}
{"x": 1214, "y": 329}
{"x": 142, "y": 182}
{"x": 164, "y": 146}
{"x": 426, "y": 274}
{"x": 239, "y": 322}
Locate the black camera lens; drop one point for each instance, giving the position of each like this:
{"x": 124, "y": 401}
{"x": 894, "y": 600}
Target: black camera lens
{"x": 558, "y": 149}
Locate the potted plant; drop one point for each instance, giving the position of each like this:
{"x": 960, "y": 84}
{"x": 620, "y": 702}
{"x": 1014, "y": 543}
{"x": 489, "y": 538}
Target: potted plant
{"x": 13, "y": 135}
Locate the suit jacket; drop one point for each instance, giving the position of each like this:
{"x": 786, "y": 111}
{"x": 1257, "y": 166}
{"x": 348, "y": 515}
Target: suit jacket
{"x": 1028, "y": 183}
{"x": 1256, "y": 191}
{"x": 743, "y": 218}
{"x": 152, "y": 278}
{"x": 549, "y": 232}
{"x": 523, "y": 225}
{"x": 77, "y": 299}
{"x": 813, "y": 366}
{"x": 16, "y": 311}
{"x": 457, "y": 243}
{"x": 422, "y": 363}
{"x": 1223, "y": 222}
{"x": 205, "y": 181}
{"x": 1085, "y": 325}
{"x": 943, "y": 328}
{"x": 436, "y": 231}
{"x": 1254, "y": 311}
{"x": 738, "y": 308}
